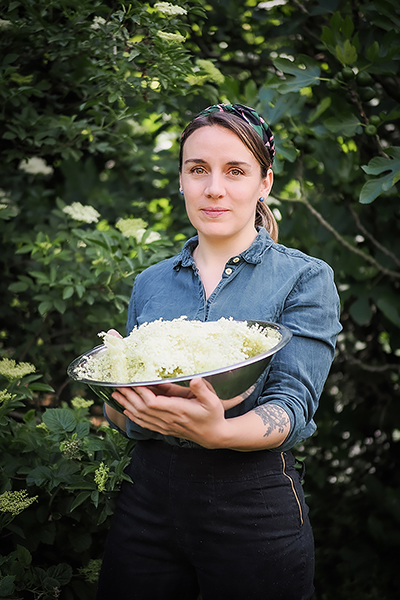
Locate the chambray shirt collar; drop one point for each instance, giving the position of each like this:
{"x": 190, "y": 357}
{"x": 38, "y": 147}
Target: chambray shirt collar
{"x": 252, "y": 255}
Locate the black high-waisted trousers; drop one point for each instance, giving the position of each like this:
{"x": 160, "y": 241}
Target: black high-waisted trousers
{"x": 224, "y": 524}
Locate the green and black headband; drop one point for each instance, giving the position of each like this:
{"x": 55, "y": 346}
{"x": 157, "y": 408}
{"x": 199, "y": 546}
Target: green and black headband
{"x": 251, "y": 117}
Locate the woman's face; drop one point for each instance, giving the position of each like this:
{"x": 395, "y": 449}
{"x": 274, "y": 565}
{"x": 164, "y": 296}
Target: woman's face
{"x": 222, "y": 182}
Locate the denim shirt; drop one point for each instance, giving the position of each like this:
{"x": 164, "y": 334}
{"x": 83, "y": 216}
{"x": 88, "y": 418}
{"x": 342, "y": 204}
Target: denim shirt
{"x": 266, "y": 282}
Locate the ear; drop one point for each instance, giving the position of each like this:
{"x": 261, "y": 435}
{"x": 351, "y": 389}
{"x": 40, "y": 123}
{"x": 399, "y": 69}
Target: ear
{"x": 267, "y": 184}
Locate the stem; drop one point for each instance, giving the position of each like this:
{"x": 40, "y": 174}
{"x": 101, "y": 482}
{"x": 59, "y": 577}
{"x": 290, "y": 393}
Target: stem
{"x": 372, "y": 239}
{"x": 341, "y": 239}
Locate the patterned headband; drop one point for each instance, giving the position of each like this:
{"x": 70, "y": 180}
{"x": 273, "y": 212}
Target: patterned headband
{"x": 251, "y": 117}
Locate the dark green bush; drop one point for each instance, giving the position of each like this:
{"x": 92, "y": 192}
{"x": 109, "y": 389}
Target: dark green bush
{"x": 59, "y": 475}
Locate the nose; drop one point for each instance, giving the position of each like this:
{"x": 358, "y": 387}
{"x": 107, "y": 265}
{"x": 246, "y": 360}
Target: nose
{"x": 215, "y": 187}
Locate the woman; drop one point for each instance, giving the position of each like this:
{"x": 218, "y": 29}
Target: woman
{"x": 216, "y": 506}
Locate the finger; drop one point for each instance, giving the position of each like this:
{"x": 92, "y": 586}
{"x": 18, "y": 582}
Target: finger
{"x": 202, "y": 389}
{"x": 172, "y": 389}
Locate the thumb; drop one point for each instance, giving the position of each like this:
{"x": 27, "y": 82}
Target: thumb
{"x": 114, "y": 333}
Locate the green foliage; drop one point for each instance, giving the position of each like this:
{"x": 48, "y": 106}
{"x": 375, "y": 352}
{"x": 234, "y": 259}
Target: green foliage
{"x": 92, "y": 104}
{"x": 59, "y": 475}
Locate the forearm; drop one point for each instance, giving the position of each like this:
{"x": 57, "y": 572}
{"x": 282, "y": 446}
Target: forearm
{"x": 266, "y": 426}
{"x": 115, "y": 417}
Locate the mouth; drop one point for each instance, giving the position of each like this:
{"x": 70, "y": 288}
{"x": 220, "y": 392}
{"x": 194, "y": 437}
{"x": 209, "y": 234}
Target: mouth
{"x": 214, "y": 211}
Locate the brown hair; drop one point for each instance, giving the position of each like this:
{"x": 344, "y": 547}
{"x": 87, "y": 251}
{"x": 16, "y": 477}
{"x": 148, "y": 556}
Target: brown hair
{"x": 251, "y": 139}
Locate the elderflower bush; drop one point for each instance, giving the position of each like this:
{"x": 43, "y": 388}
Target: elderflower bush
{"x": 164, "y": 349}
{"x": 68, "y": 471}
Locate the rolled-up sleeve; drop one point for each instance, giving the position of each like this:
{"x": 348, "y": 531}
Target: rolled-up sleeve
{"x": 298, "y": 372}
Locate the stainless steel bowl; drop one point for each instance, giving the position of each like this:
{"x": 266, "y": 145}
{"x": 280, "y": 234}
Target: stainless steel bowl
{"x": 233, "y": 382}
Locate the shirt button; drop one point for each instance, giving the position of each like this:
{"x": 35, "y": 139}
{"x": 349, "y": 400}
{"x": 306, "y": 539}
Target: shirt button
{"x": 228, "y": 271}
{"x": 236, "y": 259}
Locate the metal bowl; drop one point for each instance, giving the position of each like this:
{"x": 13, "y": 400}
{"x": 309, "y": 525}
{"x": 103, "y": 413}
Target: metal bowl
{"x": 235, "y": 382}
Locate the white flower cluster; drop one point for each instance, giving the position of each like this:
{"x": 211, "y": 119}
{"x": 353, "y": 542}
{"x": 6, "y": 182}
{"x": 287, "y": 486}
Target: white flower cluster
{"x": 4, "y": 396}
{"x": 80, "y": 212}
{"x": 4, "y": 24}
{"x": 101, "y": 475}
{"x": 171, "y": 38}
{"x": 12, "y": 370}
{"x": 97, "y": 22}
{"x": 35, "y": 166}
{"x": 164, "y": 349}
{"x": 136, "y": 228}
{"x": 15, "y": 502}
{"x": 4, "y": 199}
{"x": 170, "y": 10}
{"x": 79, "y": 402}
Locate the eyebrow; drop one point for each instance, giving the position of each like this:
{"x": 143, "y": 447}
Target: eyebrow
{"x": 231, "y": 163}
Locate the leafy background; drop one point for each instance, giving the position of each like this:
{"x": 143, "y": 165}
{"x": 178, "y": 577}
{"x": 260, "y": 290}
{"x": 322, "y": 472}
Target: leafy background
{"x": 92, "y": 103}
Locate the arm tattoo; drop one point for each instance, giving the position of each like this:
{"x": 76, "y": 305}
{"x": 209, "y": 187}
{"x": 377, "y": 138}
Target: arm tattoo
{"x": 274, "y": 417}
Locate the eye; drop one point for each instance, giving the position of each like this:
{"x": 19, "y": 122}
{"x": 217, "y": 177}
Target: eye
{"x": 236, "y": 172}
{"x": 197, "y": 170}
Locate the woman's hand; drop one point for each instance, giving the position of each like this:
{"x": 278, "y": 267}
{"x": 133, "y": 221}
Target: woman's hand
{"x": 196, "y": 414}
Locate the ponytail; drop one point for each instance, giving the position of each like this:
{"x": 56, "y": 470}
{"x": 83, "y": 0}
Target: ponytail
{"x": 265, "y": 218}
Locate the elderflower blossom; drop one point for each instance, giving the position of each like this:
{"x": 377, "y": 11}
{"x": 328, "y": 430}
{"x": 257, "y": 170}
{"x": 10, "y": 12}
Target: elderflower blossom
{"x": 44, "y": 427}
{"x": 79, "y": 402}
{"x": 35, "y": 166}
{"x": 171, "y": 38}
{"x": 136, "y": 228}
{"x": 170, "y": 10}
{"x": 80, "y": 212}
{"x": 91, "y": 571}
{"x": 163, "y": 349}
{"x": 4, "y": 199}
{"x": 11, "y": 370}
{"x": 4, "y": 396}
{"x": 70, "y": 448}
{"x": 15, "y": 502}
{"x": 97, "y": 23}
{"x": 101, "y": 476}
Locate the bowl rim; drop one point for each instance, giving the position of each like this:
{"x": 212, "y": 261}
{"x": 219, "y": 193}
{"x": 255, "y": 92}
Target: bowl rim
{"x": 282, "y": 329}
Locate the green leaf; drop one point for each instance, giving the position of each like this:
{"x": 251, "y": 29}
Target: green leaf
{"x": 374, "y": 187}
{"x": 59, "y": 420}
{"x": 44, "y": 307}
{"x": 18, "y": 286}
{"x": 9, "y": 58}
{"x": 24, "y": 556}
{"x": 389, "y": 305}
{"x": 305, "y": 75}
{"x": 41, "y": 387}
{"x": 80, "y": 499}
{"x": 347, "y": 54}
{"x": 7, "y": 586}
{"x": 62, "y": 573}
{"x": 373, "y": 52}
{"x": 346, "y": 125}
{"x": 60, "y": 305}
{"x": 82, "y": 430}
{"x": 68, "y": 292}
{"x": 320, "y": 109}
{"x": 39, "y": 476}
{"x": 80, "y": 540}
{"x": 361, "y": 311}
